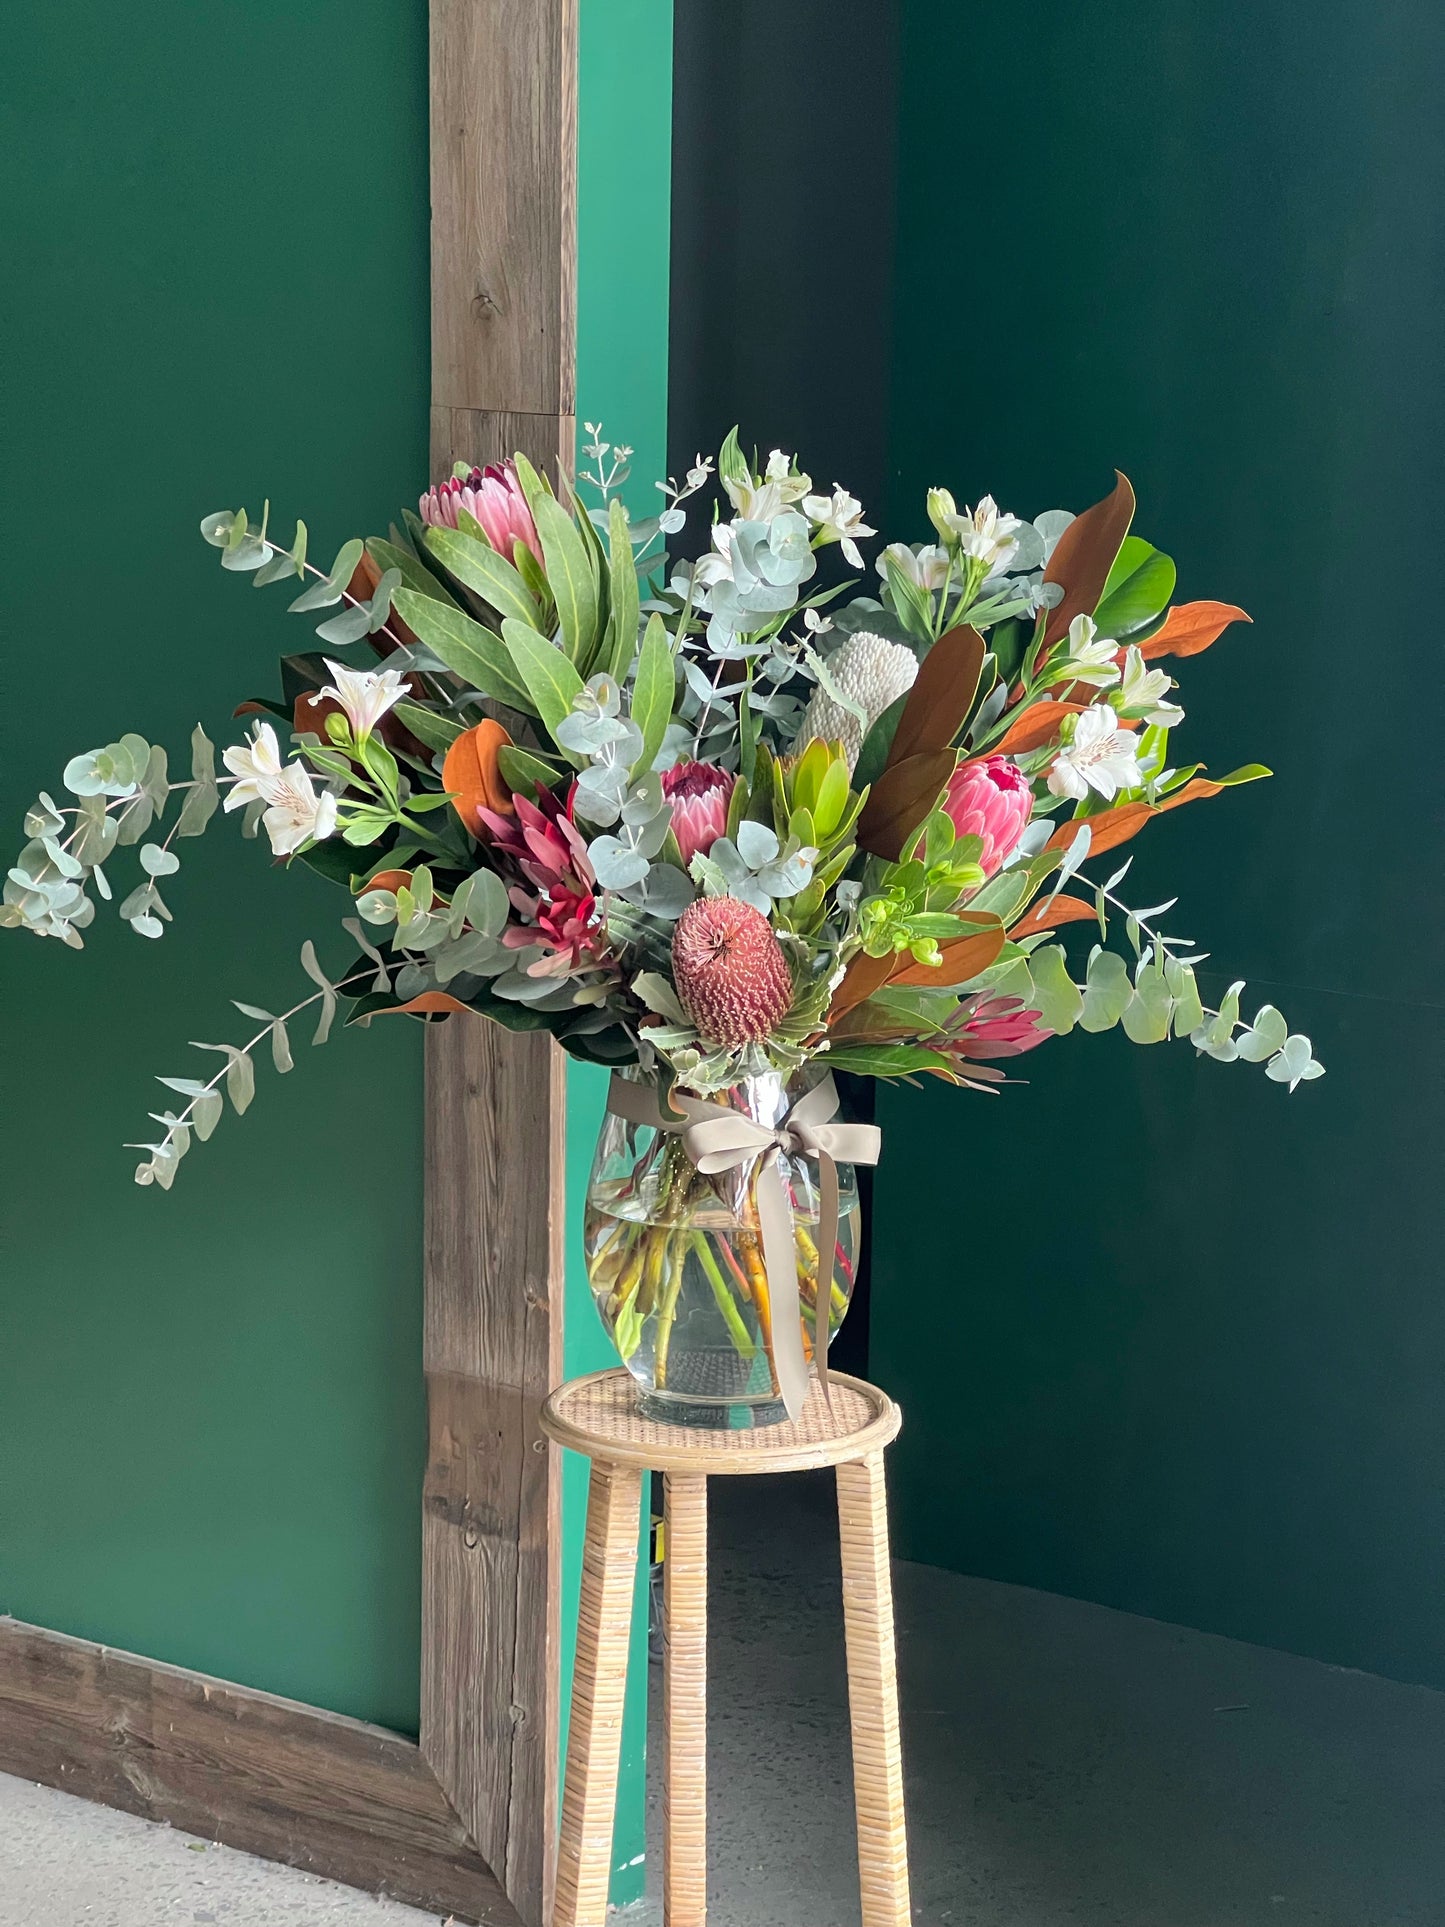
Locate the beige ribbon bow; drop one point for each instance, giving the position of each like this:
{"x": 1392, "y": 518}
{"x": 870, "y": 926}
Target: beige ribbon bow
{"x": 718, "y": 1139}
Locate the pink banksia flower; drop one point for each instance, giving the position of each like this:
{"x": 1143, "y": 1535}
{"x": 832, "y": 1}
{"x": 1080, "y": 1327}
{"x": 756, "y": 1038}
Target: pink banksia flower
{"x": 991, "y": 799}
{"x": 698, "y": 795}
{"x": 493, "y": 495}
{"x": 730, "y": 971}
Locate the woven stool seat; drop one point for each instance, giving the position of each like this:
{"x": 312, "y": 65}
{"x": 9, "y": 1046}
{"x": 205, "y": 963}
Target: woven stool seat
{"x": 599, "y": 1416}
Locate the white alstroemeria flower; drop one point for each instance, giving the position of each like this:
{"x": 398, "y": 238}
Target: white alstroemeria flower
{"x": 779, "y": 489}
{"x": 986, "y": 535}
{"x": 1141, "y": 692}
{"x": 365, "y": 695}
{"x": 256, "y": 762}
{"x": 297, "y": 813}
{"x": 839, "y": 519}
{"x": 1099, "y": 756}
{"x": 926, "y": 567}
{"x": 1090, "y": 656}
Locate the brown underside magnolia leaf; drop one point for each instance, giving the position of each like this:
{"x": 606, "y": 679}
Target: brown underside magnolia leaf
{"x": 1048, "y": 916}
{"x": 1192, "y": 627}
{"x": 862, "y": 977}
{"x": 1110, "y": 828}
{"x": 1040, "y": 723}
{"x": 428, "y": 1003}
{"x": 901, "y": 798}
{"x": 941, "y": 696}
{"x": 1084, "y": 555}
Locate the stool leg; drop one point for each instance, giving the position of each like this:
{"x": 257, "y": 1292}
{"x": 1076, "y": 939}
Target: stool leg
{"x": 684, "y": 1580}
{"x": 599, "y": 1685}
{"x": 873, "y": 1693}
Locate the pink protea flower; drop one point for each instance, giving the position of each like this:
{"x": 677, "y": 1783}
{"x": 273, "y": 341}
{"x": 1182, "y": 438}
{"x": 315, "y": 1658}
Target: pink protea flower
{"x": 730, "y": 971}
{"x": 540, "y": 845}
{"x": 991, "y": 799}
{"x": 494, "y": 496}
{"x": 698, "y": 795}
{"x": 984, "y": 1027}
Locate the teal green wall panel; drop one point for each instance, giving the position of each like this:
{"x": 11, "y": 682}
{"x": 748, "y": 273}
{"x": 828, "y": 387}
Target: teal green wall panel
{"x": 1166, "y": 1337}
{"x": 623, "y": 196}
{"x": 211, "y": 1415}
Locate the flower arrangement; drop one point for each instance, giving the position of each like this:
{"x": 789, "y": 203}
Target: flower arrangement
{"x": 715, "y": 820}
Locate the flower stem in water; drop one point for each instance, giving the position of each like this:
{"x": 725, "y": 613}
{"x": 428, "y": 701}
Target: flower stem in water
{"x": 726, "y": 1303}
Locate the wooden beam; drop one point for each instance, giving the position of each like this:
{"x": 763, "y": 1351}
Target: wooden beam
{"x": 338, "y": 1797}
{"x": 503, "y": 160}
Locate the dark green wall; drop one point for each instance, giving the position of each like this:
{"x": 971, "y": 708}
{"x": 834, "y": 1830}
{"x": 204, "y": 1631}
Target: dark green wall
{"x": 210, "y": 1403}
{"x": 1164, "y": 1336}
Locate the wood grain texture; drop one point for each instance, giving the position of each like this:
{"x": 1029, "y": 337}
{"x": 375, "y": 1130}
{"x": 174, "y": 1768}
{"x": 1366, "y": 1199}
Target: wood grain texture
{"x": 335, "y": 1796}
{"x": 503, "y": 284}
{"x": 873, "y": 1693}
{"x": 491, "y": 1535}
{"x": 599, "y": 1692}
{"x": 684, "y": 1702}
{"x": 504, "y": 204}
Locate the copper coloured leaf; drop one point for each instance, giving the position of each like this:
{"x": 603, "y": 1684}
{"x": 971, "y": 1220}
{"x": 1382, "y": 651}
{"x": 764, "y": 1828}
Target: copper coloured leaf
{"x": 1084, "y": 555}
{"x": 941, "y": 696}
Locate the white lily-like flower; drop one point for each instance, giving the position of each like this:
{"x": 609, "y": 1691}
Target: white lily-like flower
{"x": 985, "y": 534}
{"x": 1141, "y": 692}
{"x": 297, "y": 812}
{"x": 925, "y": 567}
{"x": 1090, "y": 656}
{"x": 779, "y": 489}
{"x": 365, "y": 695}
{"x": 839, "y": 518}
{"x": 1099, "y": 756}
{"x": 256, "y": 762}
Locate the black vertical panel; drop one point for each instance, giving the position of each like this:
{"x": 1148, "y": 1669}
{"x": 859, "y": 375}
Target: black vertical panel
{"x": 782, "y": 239}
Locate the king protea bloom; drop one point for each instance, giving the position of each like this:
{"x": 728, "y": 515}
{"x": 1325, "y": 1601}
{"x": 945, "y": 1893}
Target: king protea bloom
{"x": 991, "y": 799}
{"x": 873, "y": 673}
{"x": 493, "y": 496}
{"x": 698, "y": 795}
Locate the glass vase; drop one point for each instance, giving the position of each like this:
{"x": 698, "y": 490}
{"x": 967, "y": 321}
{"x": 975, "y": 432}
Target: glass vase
{"x": 676, "y": 1263}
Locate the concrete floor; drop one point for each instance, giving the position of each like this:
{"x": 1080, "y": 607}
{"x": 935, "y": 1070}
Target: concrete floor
{"x": 1068, "y": 1766}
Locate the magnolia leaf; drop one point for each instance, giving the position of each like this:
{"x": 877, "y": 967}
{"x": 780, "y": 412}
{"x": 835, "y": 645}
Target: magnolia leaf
{"x": 1192, "y": 627}
{"x": 1035, "y": 726}
{"x": 903, "y": 796}
{"x": 889, "y": 1060}
{"x": 942, "y": 694}
{"x": 1083, "y": 556}
{"x": 1137, "y": 590}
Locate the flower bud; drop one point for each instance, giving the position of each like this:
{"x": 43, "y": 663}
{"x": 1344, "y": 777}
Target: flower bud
{"x": 941, "y": 510}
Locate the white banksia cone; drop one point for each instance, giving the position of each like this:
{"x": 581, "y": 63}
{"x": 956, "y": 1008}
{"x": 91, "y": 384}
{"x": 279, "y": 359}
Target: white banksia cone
{"x": 875, "y": 673}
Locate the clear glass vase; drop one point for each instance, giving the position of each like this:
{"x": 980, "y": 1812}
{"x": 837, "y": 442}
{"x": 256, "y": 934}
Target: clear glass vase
{"x": 677, "y": 1268}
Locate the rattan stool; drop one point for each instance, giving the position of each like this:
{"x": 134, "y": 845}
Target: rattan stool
{"x": 598, "y": 1416}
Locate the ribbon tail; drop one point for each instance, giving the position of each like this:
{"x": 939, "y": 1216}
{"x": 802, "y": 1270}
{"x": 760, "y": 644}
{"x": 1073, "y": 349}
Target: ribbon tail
{"x": 781, "y": 1258}
{"x": 827, "y": 1245}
